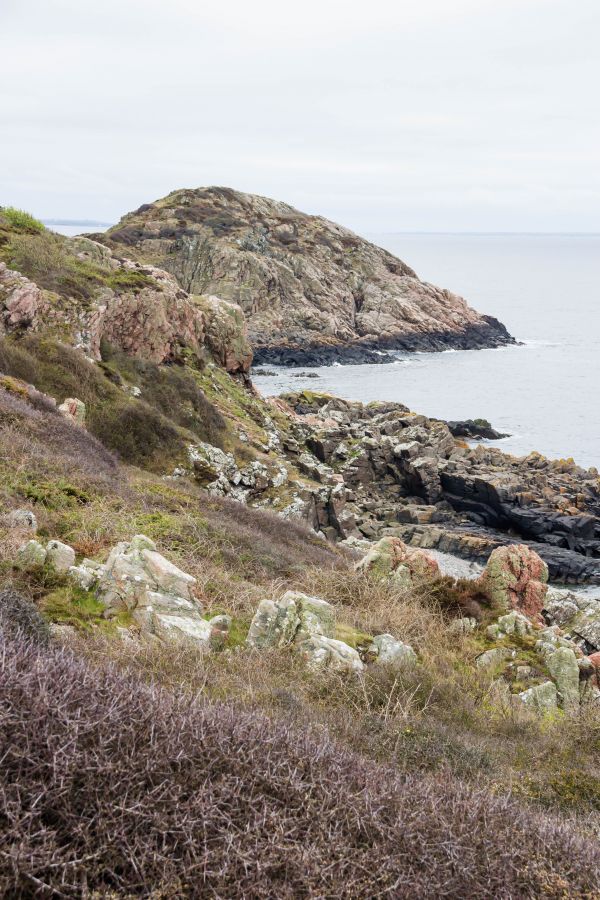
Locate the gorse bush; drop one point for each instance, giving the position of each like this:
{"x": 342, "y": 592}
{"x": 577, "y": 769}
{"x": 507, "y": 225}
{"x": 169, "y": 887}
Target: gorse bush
{"x": 115, "y": 787}
{"x": 21, "y": 221}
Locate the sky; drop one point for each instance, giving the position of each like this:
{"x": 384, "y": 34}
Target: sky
{"x": 429, "y": 115}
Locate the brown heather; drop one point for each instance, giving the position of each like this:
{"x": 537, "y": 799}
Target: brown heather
{"x": 115, "y": 787}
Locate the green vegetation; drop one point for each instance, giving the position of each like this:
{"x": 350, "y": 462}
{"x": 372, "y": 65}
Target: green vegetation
{"x": 20, "y": 221}
{"x": 52, "y": 261}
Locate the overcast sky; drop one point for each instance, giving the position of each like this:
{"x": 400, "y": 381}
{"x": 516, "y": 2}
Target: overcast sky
{"x": 476, "y": 115}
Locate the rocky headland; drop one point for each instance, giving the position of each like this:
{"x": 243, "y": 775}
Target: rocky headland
{"x": 312, "y": 292}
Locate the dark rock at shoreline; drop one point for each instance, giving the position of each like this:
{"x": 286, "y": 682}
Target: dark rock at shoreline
{"x": 475, "y": 429}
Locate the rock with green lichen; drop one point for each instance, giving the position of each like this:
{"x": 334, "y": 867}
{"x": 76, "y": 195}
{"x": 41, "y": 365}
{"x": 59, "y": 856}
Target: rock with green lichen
{"x": 515, "y": 577}
{"x": 541, "y": 697}
{"x": 562, "y": 666}
{"x": 30, "y": 555}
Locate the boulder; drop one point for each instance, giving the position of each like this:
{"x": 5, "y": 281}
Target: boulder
{"x": 327, "y": 653}
{"x": 542, "y": 697}
{"x": 294, "y": 617}
{"x": 392, "y": 558}
{"x": 74, "y": 410}
{"x": 563, "y": 667}
{"x": 60, "y": 556}
{"x": 275, "y": 623}
{"x": 21, "y": 520}
{"x": 387, "y": 650}
{"x": 30, "y": 555}
{"x": 494, "y": 657}
{"x": 167, "y": 575}
{"x": 512, "y": 623}
{"x": 515, "y": 577}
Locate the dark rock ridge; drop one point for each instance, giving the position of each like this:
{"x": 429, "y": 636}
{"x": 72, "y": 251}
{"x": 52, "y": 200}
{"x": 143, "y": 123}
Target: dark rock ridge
{"x": 406, "y": 476}
{"x": 313, "y": 292}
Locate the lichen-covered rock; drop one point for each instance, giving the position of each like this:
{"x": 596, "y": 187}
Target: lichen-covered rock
{"x": 85, "y": 575}
{"x": 74, "y": 410}
{"x": 21, "y": 520}
{"x": 169, "y": 578}
{"x": 275, "y": 623}
{"x": 294, "y": 617}
{"x": 226, "y": 333}
{"x": 153, "y": 591}
{"x": 22, "y": 303}
{"x": 392, "y": 558}
{"x": 387, "y": 650}
{"x": 512, "y": 623}
{"x": 327, "y": 653}
{"x": 541, "y": 697}
{"x": 493, "y": 657}
{"x": 60, "y": 556}
{"x": 562, "y": 665}
{"x": 30, "y": 555}
{"x": 515, "y": 577}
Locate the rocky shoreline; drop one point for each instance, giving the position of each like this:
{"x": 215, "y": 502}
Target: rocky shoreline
{"x": 475, "y": 337}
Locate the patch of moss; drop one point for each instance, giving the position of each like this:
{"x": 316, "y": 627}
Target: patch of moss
{"x": 352, "y": 636}
{"x": 71, "y": 605}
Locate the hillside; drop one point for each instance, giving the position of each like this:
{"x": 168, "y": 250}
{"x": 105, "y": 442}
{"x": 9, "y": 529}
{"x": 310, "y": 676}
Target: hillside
{"x": 229, "y": 664}
{"x": 312, "y": 291}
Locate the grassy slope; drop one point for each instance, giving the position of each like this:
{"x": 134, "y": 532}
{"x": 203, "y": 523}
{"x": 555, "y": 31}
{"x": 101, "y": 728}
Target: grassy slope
{"x": 446, "y": 716}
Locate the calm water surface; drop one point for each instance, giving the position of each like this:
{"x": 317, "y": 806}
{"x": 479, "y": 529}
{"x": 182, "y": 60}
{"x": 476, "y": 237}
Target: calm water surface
{"x": 546, "y": 290}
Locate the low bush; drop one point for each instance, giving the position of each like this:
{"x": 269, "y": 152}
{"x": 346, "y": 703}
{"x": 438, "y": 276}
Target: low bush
{"x": 112, "y": 786}
{"x": 20, "y": 617}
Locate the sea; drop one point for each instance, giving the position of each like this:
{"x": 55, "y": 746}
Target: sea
{"x": 544, "y": 393}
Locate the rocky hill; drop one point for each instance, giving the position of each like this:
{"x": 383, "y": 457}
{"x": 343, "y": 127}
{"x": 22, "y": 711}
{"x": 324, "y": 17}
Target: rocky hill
{"x": 312, "y": 291}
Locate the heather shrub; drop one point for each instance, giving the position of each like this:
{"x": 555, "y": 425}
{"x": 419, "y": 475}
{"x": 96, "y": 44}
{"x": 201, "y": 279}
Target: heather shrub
{"x": 19, "y": 616}
{"x": 110, "y": 785}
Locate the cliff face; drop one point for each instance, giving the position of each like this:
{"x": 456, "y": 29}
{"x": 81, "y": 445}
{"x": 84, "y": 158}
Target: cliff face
{"x": 311, "y": 290}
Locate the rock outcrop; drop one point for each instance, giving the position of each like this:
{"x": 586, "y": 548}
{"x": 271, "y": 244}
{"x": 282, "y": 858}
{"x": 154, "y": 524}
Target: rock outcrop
{"x": 312, "y": 291}
{"x": 153, "y": 318}
{"x": 403, "y": 475}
